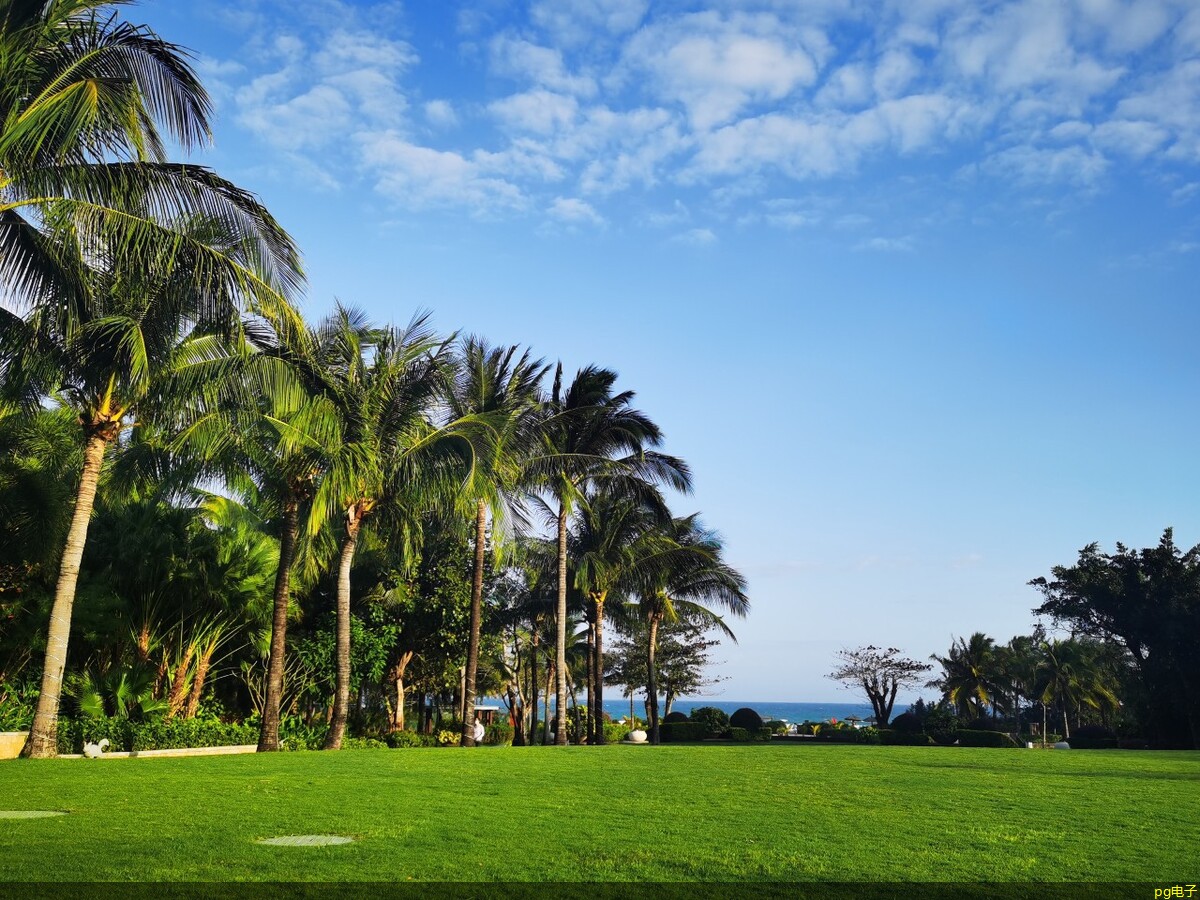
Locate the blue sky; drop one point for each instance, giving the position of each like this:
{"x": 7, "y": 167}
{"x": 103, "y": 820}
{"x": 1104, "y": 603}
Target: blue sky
{"x": 912, "y": 285}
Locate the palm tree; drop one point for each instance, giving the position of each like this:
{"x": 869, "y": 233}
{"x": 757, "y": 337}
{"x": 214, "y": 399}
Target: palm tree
{"x": 88, "y": 106}
{"x": 690, "y": 576}
{"x": 496, "y": 386}
{"x": 265, "y": 441}
{"x": 970, "y": 676}
{"x": 592, "y": 434}
{"x": 388, "y": 452}
{"x": 614, "y": 548}
{"x": 1072, "y": 675}
{"x": 133, "y": 272}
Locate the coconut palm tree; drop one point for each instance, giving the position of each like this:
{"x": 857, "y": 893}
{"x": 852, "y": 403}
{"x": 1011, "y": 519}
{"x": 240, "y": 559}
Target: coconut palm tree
{"x": 390, "y": 448}
{"x": 690, "y": 576}
{"x": 591, "y": 434}
{"x": 614, "y": 547}
{"x": 264, "y": 439}
{"x": 88, "y": 106}
{"x": 503, "y": 389}
{"x": 970, "y": 675}
{"x": 1072, "y": 676}
{"x": 127, "y": 271}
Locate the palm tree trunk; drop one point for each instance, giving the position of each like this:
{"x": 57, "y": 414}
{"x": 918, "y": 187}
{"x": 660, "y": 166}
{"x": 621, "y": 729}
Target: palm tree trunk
{"x": 535, "y": 687}
{"x": 468, "y": 722}
{"x": 652, "y": 680}
{"x": 549, "y": 694}
{"x": 268, "y": 738}
{"x": 590, "y": 730}
{"x": 43, "y": 735}
{"x": 599, "y": 671}
{"x": 341, "y": 693}
{"x": 560, "y": 648}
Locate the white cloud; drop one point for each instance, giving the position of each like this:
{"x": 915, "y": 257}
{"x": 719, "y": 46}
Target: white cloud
{"x": 577, "y": 22}
{"x": 715, "y": 67}
{"x": 1029, "y": 165}
{"x": 574, "y": 211}
{"x": 543, "y": 66}
{"x": 423, "y": 177}
{"x": 538, "y": 111}
{"x": 440, "y": 113}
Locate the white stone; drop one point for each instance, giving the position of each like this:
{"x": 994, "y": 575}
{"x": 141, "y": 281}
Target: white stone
{"x": 637, "y": 737}
{"x": 1062, "y": 745}
{"x": 306, "y": 840}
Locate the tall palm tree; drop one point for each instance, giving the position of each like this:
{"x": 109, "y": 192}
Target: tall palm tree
{"x": 970, "y": 675}
{"x": 502, "y": 389}
{"x": 615, "y": 547}
{"x": 690, "y": 575}
{"x": 390, "y": 447}
{"x": 265, "y": 439}
{"x": 592, "y": 434}
{"x": 127, "y": 268}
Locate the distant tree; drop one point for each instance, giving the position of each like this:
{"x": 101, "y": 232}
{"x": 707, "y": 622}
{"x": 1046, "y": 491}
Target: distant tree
{"x": 1149, "y": 601}
{"x": 684, "y": 658}
{"x": 880, "y": 674}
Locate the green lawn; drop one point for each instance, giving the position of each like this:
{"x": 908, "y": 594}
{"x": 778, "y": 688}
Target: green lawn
{"x": 675, "y": 813}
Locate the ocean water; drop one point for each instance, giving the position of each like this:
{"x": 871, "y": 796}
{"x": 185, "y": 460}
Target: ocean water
{"x": 787, "y": 712}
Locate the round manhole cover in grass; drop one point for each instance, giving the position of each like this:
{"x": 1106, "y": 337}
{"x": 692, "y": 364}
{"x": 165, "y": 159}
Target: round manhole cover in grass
{"x": 30, "y": 813}
{"x": 306, "y": 840}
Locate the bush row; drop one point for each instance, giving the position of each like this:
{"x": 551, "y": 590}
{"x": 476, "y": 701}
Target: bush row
{"x": 162, "y": 734}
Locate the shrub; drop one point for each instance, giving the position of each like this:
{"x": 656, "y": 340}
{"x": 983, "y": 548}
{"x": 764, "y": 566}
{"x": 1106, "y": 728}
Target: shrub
{"x": 907, "y": 723}
{"x": 971, "y": 738}
{"x": 165, "y": 734}
{"x": 715, "y": 720}
{"x": 74, "y": 733}
{"x": 614, "y": 733}
{"x": 738, "y": 734}
{"x": 1133, "y": 743}
{"x": 746, "y": 718}
{"x": 498, "y": 733}
{"x": 941, "y": 724}
{"x": 675, "y": 717}
{"x": 1093, "y": 743}
{"x": 295, "y": 735}
{"x": 400, "y": 739}
{"x": 680, "y": 732}
{"x": 776, "y": 726}
{"x": 448, "y": 738}
{"x": 850, "y": 736}
{"x": 894, "y": 738}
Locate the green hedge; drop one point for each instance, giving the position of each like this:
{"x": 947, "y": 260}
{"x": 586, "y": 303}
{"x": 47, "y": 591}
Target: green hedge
{"x": 1093, "y": 743}
{"x": 163, "y": 734}
{"x": 901, "y": 739}
{"x": 969, "y": 738}
{"x": 681, "y": 732}
{"x": 739, "y": 734}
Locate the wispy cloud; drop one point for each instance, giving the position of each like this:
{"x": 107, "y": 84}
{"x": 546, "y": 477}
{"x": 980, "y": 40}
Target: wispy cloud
{"x": 601, "y": 97}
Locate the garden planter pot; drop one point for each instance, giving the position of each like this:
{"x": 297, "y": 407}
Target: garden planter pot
{"x": 11, "y": 743}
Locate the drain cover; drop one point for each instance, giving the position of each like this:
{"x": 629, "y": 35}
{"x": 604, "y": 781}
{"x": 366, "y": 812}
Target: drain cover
{"x": 30, "y": 813}
{"x": 306, "y": 840}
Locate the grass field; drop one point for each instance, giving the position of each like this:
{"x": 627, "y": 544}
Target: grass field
{"x": 674, "y": 813}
